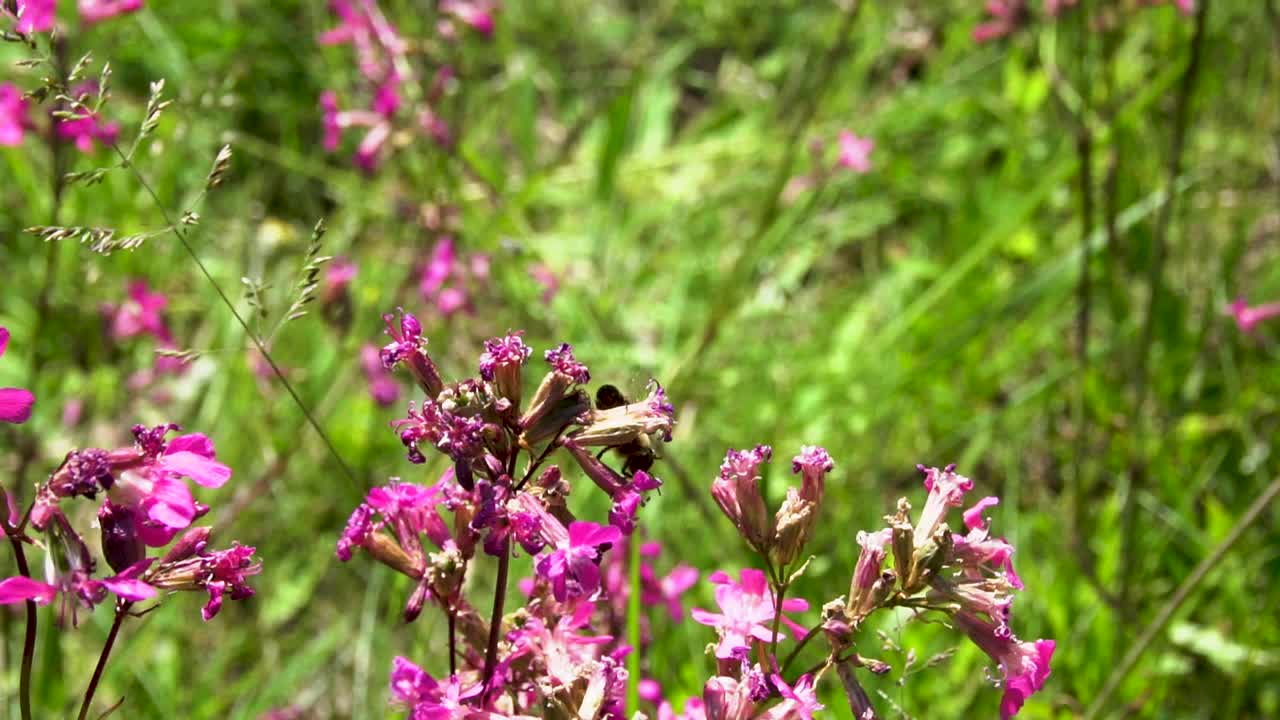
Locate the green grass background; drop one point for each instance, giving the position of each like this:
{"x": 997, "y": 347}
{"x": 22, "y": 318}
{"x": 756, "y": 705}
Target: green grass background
{"x": 923, "y": 312}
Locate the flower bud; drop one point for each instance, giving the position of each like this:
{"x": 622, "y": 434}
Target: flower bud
{"x": 192, "y": 541}
{"x": 903, "y": 549}
{"x": 737, "y": 491}
{"x": 413, "y": 608}
{"x": 501, "y": 363}
{"x": 870, "y": 562}
{"x": 409, "y": 347}
{"x": 388, "y": 552}
{"x": 552, "y": 419}
{"x": 859, "y": 702}
{"x": 605, "y": 477}
{"x": 727, "y": 699}
{"x": 794, "y": 522}
{"x": 121, "y": 544}
{"x": 566, "y": 373}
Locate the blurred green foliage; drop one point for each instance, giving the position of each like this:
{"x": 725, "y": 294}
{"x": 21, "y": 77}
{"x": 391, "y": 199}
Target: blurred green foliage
{"x": 924, "y": 312}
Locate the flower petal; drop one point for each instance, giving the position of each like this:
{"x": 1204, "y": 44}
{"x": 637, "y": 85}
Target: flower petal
{"x": 20, "y": 589}
{"x": 15, "y": 405}
{"x": 205, "y": 471}
{"x": 130, "y": 589}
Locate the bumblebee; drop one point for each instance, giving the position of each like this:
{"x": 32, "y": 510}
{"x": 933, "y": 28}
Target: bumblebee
{"x": 639, "y": 454}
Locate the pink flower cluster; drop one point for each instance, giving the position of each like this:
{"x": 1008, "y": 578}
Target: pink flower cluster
{"x": 146, "y": 504}
{"x": 384, "y": 65}
{"x": 141, "y": 314}
{"x": 501, "y": 495}
{"x": 85, "y": 131}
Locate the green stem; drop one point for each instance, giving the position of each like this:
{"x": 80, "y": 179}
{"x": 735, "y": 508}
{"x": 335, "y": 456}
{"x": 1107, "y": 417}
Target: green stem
{"x": 29, "y": 639}
{"x": 495, "y": 618}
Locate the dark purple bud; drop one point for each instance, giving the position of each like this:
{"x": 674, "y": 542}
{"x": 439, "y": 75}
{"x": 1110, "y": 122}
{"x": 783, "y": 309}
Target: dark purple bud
{"x": 120, "y": 542}
{"x": 192, "y": 542}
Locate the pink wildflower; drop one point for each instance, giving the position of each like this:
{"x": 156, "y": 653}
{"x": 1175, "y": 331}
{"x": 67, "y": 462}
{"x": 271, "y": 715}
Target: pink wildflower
{"x": 737, "y": 491}
{"x": 946, "y": 490}
{"x": 427, "y": 699}
{"x": 13, "y": 115}
{"x": 855, "y": 152}
{"x": 573, "y": 567}
{"x": 148, "y": 480}
{"x": 1024, "y": 665}
{"x": 337, "y": 278}
{"x": 746, "y": 612}
{"x": 92, "y": 11}
{"x": 1247, "y": 318}
{"x": 88, "y": 590}
{"x": 15, "y": 403}
{"x": 799, "y": 701}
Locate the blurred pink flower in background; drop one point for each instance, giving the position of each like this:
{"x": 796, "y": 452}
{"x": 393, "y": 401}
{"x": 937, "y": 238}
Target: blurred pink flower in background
{"x": 1247, "y": 318}
{"x": 337, "y": 278}
{"x": 85, "y": 131}
{"x": 13, "y": 115}
{"x": 1006, "y": 16}
{"x": 382, "y": 384}
{"x": 92, "y": 11}
{"x": 855, "y": 152}
{"x": 139, "y": 315}
{"x": 544, "y": 276}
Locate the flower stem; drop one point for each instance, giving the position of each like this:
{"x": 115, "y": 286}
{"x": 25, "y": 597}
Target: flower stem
{"x": 122, "y": 609}
{"x": 796, "y": 652}
{"x": 495, "y": 619}
{"x": 29, "y": 640}
{"x": 453, "y": 639}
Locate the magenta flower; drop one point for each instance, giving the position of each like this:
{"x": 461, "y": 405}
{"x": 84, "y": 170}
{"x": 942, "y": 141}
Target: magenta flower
{"x": 382, "y": 385}
{"x": 427, "y": 699}
{"x": 220, "y": 573}
{"x": 871, "y": 559}
{"x": 573, "y": 567}
{"x": 1247, "y": 318}
{"x": 504, "y": 353}
{"x": 13, "y": 115}
{"x": 562, "y": 361}
{"x": 37, "y": 15}
{"x": 946, "y": 490}
{"x": 855, "y": 152}
{"x": 92, "y": 11}
{"x": 409, "y": 347}
{"x": 150, "y": 481}
{"x": 138, "y": 315}
{"x": 1024, "y": 665}
{"x": 15, "y": 403}
{"x": 799, "y": 702}
{"x": 439, "y": 267}
{"x": 670, "y": 588}
{"x": 460, "y": 437}
{"x": 978, "y": 553}
{"x": 746, "y": 612}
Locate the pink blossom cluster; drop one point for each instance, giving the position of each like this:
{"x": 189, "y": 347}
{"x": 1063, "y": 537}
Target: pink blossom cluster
{"x": 387, "y": 73}
{"x": 141, "y": 315}
{"x": 502, "y": 494}
{"x": 146, "y": 504}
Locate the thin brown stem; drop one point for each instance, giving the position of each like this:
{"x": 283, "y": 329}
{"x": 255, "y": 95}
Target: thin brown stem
{"x": 495, "y": 618}
{"x": 122, "y": 609}
{"x": 29, "y": 639}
